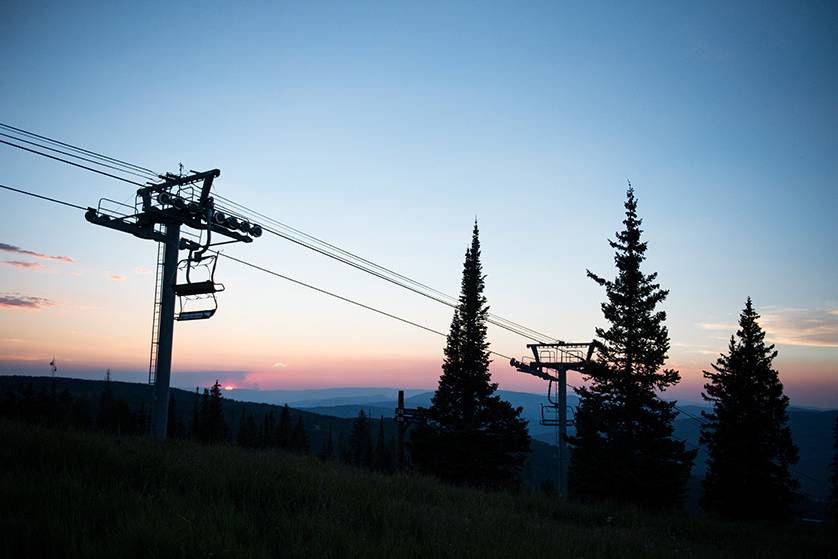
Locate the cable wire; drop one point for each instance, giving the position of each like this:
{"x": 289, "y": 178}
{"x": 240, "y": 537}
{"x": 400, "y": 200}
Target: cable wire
{"x": 82, "y": 150}
{"x": 42, "y": 197}
{"x": 72, "y": 163}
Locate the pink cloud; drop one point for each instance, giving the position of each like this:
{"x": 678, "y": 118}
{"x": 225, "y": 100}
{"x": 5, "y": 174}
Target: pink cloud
{"x": 18, "y": 301}
{"x": 25, "y": 265}
{"x": 116, "y": 277}
{"x": 15, "y": 249}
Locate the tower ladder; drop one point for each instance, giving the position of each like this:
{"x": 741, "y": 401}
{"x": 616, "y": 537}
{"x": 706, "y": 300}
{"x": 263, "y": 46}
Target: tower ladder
{"x": 155, "y": 321}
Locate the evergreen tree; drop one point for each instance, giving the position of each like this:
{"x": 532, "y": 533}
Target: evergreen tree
{"x": 359, "y": 450}
{"x": 327, "y": 450}
{"x": 472, "y": 436}
{"x": 299, "y": 437}
{"x": 623, "y": 448}
{"x": 283, "y": 431}
{"x": 833, "y": 481}
{"x": 216, "y": 424}
{"x": 747, "y": 434}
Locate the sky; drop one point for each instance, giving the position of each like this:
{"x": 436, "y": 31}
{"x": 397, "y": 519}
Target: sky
{"x": 387, "y": 128}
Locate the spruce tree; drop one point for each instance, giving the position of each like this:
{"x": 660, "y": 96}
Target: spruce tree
{"x": 472, "y": 436}
{"x": 359, "y": 450}
{"x": 216, "y": 424}
{"x": 623, "y": 449}
{"x": 747, "y": 435}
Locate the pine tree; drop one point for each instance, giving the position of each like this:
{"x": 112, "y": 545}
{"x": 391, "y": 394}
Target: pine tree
{"x": 216, "y": 424}
{"x": 283, "y": 431}
{"x": 747, "y": 434}
{"x": 359, "y": 450}
{"x": 623, "y": 449}
{"x": 299, "y": 437}
{"x": 327, "y": 450}
{"x": 472, "y": 436}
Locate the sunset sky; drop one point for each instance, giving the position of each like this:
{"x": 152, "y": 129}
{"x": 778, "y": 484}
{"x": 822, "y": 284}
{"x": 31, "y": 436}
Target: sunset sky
{"x": 385, "y": 128}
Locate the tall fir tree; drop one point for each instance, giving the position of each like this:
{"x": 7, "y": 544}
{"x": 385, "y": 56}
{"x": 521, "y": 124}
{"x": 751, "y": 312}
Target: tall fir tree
{"x": 623, "y": 448}
{"x": 472, "y": 436}
{"x": 216, "y": 423}
{"x": 359, "y": 449}
{"x": 747, "y": 435}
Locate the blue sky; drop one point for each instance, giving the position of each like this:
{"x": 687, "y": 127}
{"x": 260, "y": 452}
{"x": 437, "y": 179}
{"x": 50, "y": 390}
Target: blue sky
{"x": 387, "y": 127}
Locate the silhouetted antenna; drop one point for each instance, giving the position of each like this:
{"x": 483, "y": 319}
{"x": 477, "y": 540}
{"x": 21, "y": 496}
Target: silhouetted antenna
{"x": 53, "y": 367}
{"x": 560, "y": 358}
{"x": 159, "y": 212}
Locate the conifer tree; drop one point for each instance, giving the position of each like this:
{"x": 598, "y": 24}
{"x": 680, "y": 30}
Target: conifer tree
{"x": 268, "y": 429}
{"x": 472, "y": 436}
{"x": 248, "y": 435}
{"x": 747, "y": 434}
{"x": 327, "y": 450}
{"x": 359, "y": 450}
{"x": 217, "y": 425}
{"x": 623, "y": 449}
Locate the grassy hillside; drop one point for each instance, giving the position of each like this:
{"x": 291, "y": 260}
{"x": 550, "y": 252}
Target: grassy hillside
{"x": 82, "y": 494}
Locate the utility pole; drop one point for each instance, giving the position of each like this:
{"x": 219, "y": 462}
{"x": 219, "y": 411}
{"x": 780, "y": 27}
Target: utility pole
{"x": 159, "y": 212}
{"x": 558, "y": 357}
{"x": 405, "y": 417}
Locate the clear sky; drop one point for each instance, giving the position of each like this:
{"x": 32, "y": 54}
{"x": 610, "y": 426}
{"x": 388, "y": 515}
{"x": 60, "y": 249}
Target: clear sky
{"x": 386, "y": 127}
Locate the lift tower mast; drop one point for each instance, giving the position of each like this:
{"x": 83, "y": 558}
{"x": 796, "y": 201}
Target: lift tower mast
{"x": 559, "y": 357}
{"x": 159, "y": 212}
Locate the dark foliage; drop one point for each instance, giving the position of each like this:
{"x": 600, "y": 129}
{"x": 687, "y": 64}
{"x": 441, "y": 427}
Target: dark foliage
{"x": 623, "y": 449}
{"x": 747, "y": 434}
{"x": 359, "y": 450}
{"x": 472, "y": 436}
{"x": 327, "y": 451}
{"x": 299, "y": 438}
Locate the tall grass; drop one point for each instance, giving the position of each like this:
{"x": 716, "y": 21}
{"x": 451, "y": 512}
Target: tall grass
{"x": 75, "y": 494}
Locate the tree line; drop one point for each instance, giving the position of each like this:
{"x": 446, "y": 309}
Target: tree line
{"x": 623, "y": 449}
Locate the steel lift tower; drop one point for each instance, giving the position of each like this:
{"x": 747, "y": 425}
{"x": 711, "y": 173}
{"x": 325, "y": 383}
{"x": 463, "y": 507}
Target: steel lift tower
{"x": 560, "y": 358}
{"x": 159, "y": 212}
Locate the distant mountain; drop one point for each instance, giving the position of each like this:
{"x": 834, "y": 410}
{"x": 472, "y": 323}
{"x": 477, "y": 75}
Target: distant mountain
{"x": 314, "y": 397}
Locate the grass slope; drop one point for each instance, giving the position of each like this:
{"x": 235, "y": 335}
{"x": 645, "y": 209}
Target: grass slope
{"x": 76, "y": 494}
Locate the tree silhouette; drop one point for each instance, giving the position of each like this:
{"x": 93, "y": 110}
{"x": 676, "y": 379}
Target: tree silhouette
{"x": 248, "y": 435}
{"x": 623, "y": 448}
{"x": 212, "y": 421}
{"x": 359, "y": 449}
{"x": 383, "y": 452}
{"x": 472, "y": 436}
{"x": 747, "y": 435}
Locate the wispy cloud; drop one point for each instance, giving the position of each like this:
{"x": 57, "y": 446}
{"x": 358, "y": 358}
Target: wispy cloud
{"x": 17, "y": 250}
{"x": 18, "y": 301}
{"x": 25, "y": 265}
{"x": 280, "y": 364}
{"x": 141, "y": 270}
{"x": 800, "y": 327}
{"x": 115, "y": 277}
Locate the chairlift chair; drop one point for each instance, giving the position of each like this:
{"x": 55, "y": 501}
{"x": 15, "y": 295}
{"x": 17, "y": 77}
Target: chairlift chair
{"x": 196, "y": 299}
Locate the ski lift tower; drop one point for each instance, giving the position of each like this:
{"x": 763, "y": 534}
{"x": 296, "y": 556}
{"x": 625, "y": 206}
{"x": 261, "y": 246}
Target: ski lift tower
{"x": 551, "y": 362}
{"x": 159, "y": 212}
